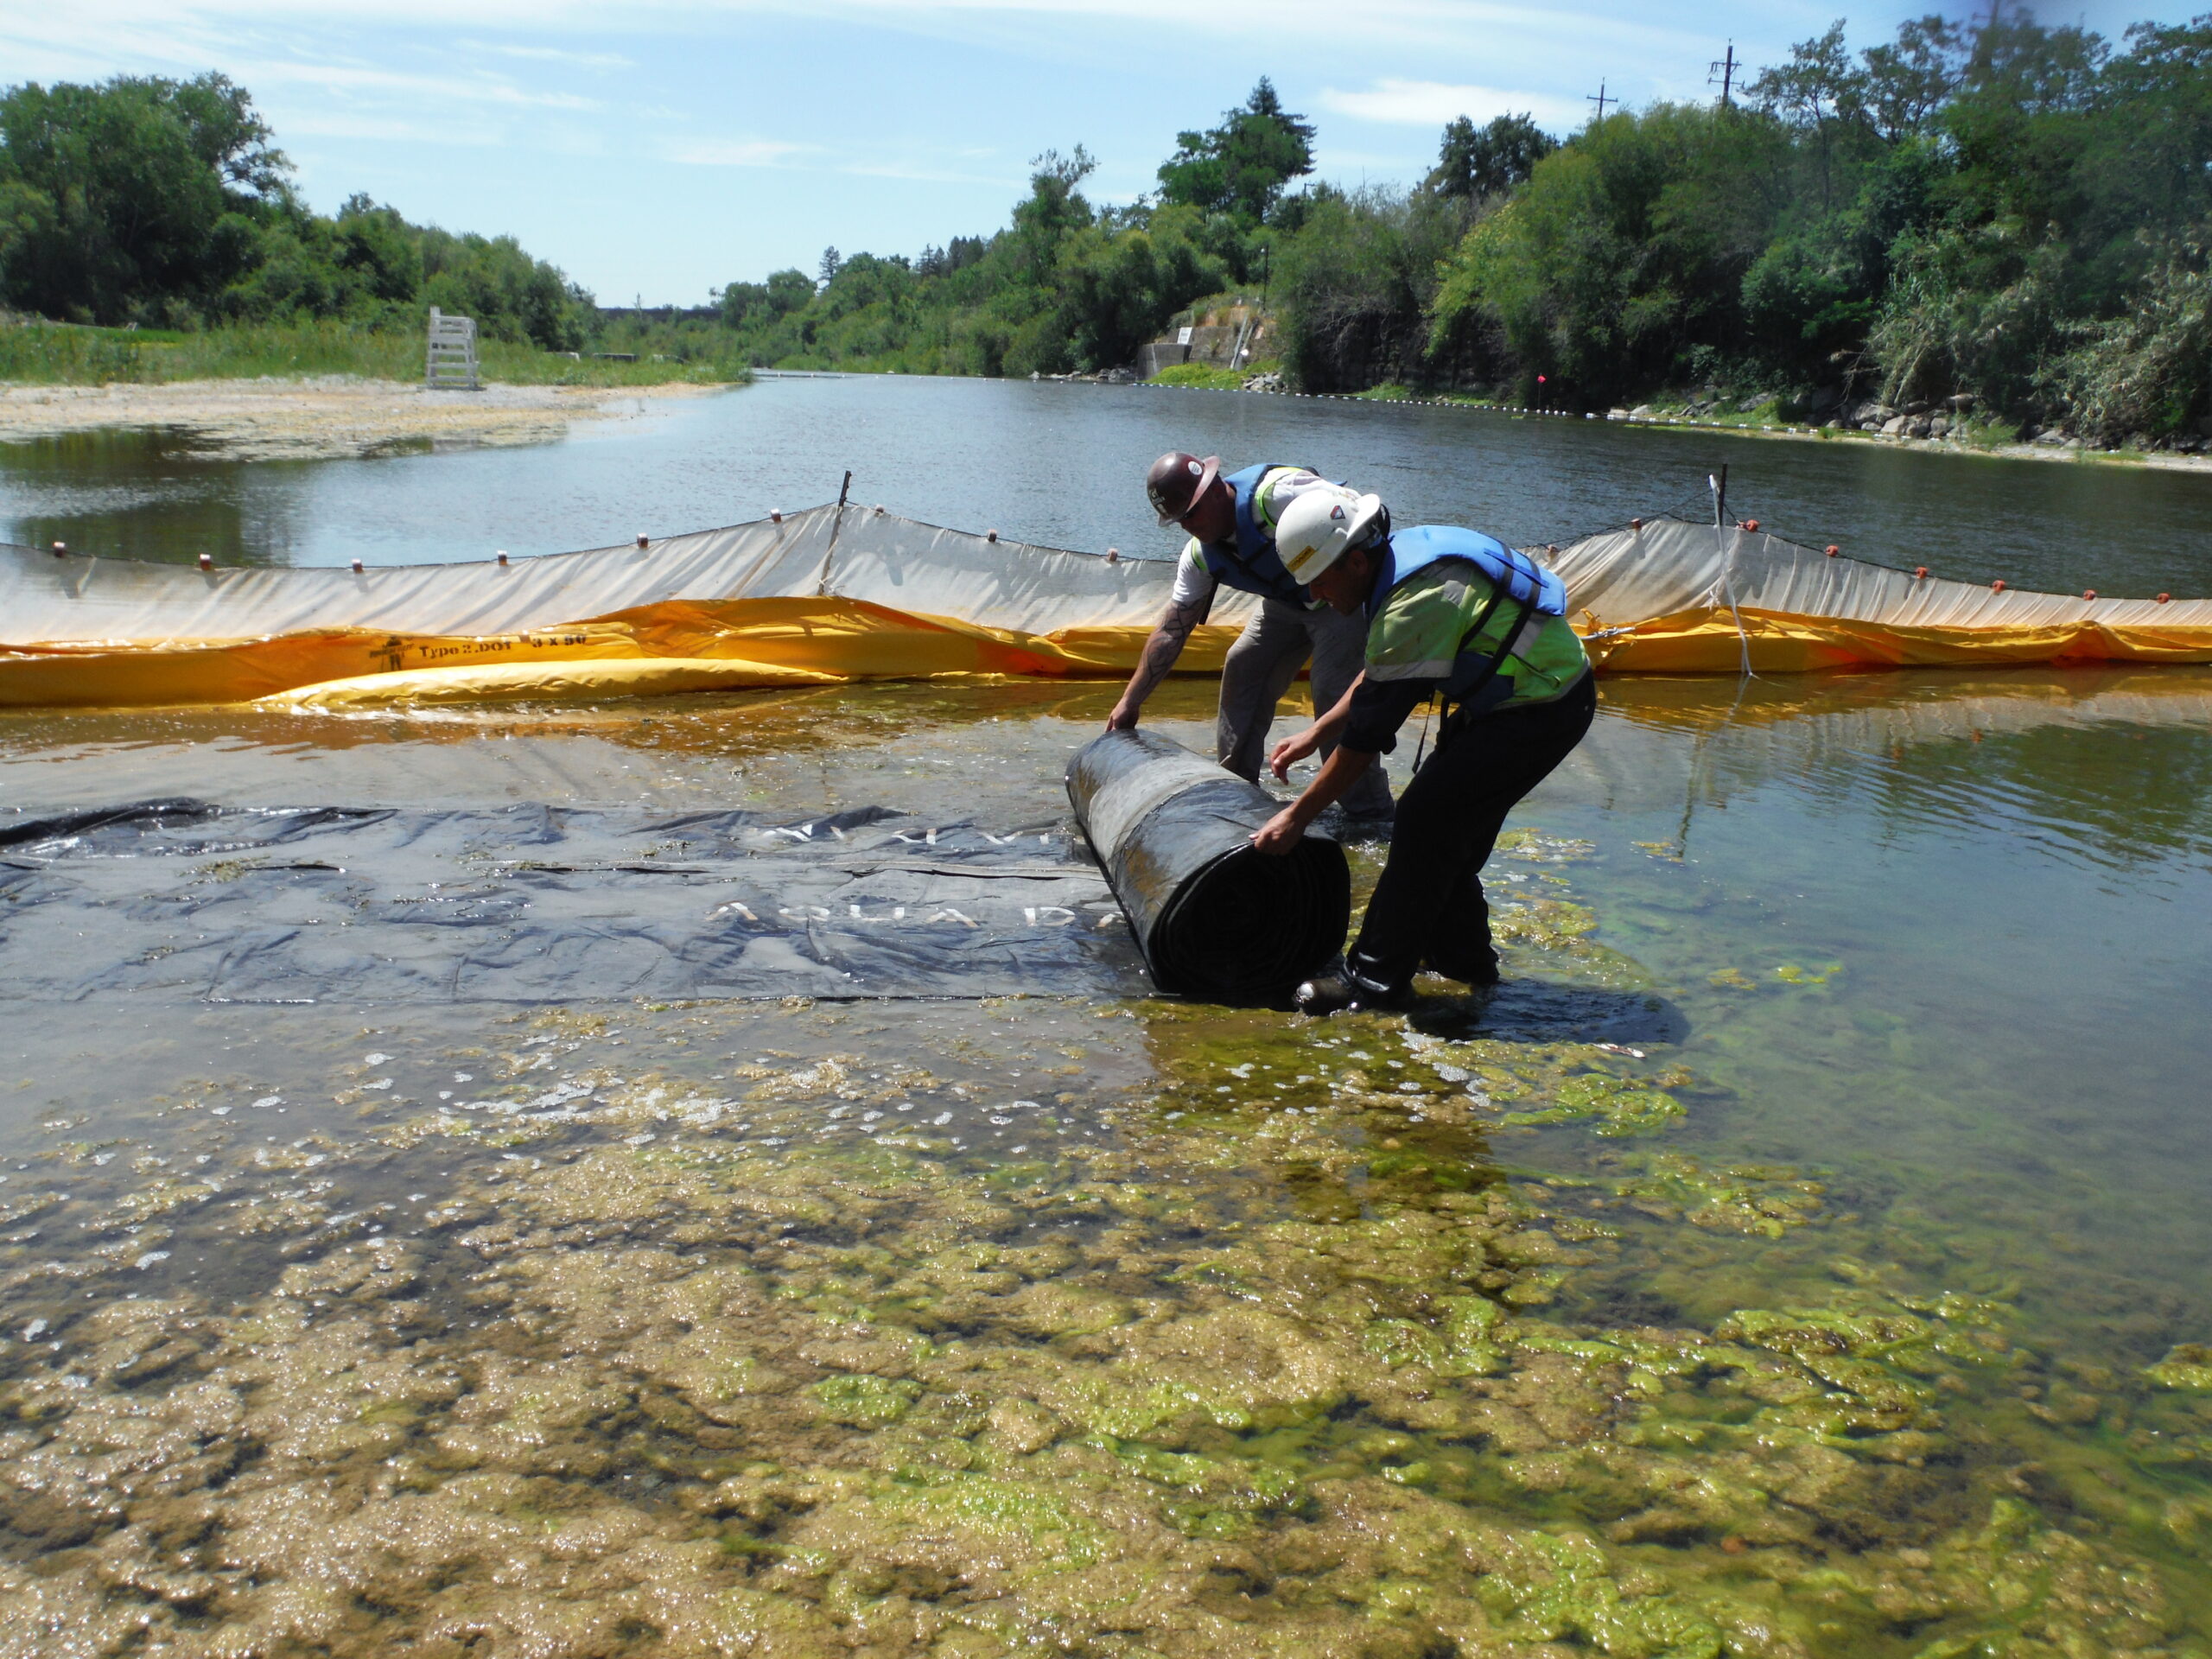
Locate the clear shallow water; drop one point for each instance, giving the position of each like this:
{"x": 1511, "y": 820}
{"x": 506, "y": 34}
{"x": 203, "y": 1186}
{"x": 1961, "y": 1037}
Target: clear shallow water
{"x": 1812, "y": 1315}
{"x": 1059, "y": 464}
{"x": 1967, "y": 911}
{"x": 1824, "y": 1311}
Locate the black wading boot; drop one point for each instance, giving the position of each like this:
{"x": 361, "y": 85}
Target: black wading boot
{"x": 1345, "y": 992}
{"x": 1476, "y": 969}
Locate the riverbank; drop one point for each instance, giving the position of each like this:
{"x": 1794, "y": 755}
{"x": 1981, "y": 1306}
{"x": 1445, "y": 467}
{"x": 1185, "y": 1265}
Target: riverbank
{"x": 2071, "y": 450}
{"x": 340, "y": 417}
{"x": 325, "y": 417}
{"x": 2163, "y": 461}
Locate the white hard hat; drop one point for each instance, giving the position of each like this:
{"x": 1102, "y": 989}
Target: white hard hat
{"x": 1317, "y": 528}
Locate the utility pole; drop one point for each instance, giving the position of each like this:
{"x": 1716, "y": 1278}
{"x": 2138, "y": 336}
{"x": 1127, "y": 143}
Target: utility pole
{"x": 1724, "y": 68}
{"x": 1601, "y": 100}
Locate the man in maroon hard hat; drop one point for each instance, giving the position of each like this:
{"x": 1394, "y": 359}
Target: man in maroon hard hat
{"x": 1230, "y": 519}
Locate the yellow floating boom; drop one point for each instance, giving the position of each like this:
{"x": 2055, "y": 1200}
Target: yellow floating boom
{"x": 841, "y": 594}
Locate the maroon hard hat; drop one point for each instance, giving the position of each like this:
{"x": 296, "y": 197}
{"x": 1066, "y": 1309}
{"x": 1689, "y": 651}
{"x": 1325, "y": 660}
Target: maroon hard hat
{"x": 1177, "y": 480}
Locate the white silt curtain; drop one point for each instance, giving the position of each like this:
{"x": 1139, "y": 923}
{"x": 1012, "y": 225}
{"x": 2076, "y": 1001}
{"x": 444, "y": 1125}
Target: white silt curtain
{"x": 844, "y": 593}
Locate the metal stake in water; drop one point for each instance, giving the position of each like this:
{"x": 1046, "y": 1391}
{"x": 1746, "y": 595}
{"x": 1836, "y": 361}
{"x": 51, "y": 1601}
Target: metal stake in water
{"x": 1719, "y": 485}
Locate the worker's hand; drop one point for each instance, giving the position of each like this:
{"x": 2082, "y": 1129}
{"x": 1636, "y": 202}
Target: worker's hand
{"x": 1291, "y": 750}
{"x": 1123, "y": 719}
{"x": 1279, "y": 834}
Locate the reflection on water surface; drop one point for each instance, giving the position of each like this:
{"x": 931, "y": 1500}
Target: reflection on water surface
{"x": 1802, "y": 1256}
{"x": 1059, "y": 465}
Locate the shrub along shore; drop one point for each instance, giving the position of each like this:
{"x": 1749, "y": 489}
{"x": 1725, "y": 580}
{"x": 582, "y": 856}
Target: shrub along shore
{"x": 2006, "y": 222}
{"x": 37, "y": 352}
{"x": 1922, "y": 427}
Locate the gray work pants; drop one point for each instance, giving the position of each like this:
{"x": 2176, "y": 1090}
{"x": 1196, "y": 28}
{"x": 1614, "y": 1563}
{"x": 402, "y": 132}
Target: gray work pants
{"x": 1265, "y": 659}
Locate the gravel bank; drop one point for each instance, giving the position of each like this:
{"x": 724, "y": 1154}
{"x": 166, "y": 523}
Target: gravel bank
{"x": 324, "y": 417}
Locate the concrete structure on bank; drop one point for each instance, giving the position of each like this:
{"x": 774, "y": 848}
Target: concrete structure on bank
{"x": 1229, "y": 338}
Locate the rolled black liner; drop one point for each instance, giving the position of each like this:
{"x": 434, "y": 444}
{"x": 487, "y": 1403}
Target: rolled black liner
{"x": 1214, "y": 918}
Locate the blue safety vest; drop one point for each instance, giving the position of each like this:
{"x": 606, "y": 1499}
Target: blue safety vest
{"x": 1250, "y": 564}
{"x": 1515, "y": 580}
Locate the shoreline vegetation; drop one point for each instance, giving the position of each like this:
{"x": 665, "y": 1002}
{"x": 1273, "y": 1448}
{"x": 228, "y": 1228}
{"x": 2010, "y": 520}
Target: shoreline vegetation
{"x": 2009, "y": 222}
{"x": 1764, "y": 418}
{"x": 2002, "y": 229}
{"x": 38, "y": 352}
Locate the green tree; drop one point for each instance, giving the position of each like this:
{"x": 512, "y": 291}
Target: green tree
{"x": 2143, "y": 172}
{"x": 1818, "y": 91}
{"x": 110, "y": 195}
{"x": 144, "y": 198}
{"x": 1241, "y": 166}
{"x": 1625, "y": 249}
{"x": 1473, "y": 162}
{"x": 1970, "y": 308}
{"x": 285, "y": 271}
{"x": 788, "y": 290}
{"x": 1117, "y": 286}
{"x": 1908, "y": 81}
{"x": 1055, "y": 208}
{"x": 377, "y": 249}
{"x": 512, "y": 296}
{"x": 745, "y": 305}
{"x": 1356, "y": 285}
{"x": 2148, "y": 369}
{"x": 2016, "y": 124}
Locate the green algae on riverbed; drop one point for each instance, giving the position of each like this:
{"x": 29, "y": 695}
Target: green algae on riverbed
{"x": 1258, "y": 1350}
{"x": 1113, "y": 1328}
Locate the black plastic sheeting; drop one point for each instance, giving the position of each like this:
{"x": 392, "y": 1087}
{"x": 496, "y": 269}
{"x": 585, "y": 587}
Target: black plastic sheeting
{"x": 182, "y": 900}
{"x": 1214, "y": 918}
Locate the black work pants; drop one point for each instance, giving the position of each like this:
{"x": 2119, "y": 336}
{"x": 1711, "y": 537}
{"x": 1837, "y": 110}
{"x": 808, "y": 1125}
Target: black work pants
{"x": 1429, "y": 908}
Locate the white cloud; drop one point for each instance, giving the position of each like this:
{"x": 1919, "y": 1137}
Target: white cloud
{"x": 382, "y": 131}
{"x": 88, "y": 22}
{"x": 918, "y": 168}
{"x": 441, "y": 89}
{"x": 921, "y": 172}
{"x": 736, "y": 152}
{"x": 555, "y": 55}
{"x": 1433, "y": 103}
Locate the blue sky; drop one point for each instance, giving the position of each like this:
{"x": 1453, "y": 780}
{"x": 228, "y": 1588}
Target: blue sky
{"x": 664, "y": 149}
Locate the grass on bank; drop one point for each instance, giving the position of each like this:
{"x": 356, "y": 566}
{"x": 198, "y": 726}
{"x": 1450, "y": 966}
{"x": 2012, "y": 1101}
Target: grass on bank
{"x": 1207, "y": 378}
{"x": 47, "y": 353}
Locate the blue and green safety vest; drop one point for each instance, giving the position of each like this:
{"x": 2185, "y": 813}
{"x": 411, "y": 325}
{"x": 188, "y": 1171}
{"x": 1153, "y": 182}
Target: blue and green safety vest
{"x": 1250, "y": 563}
{"x": 1501, "y": 637}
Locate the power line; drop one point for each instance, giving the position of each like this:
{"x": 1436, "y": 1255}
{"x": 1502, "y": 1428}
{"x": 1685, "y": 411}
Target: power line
{"x": 1724, "y": 68}
{"x": 1601, "y": 100}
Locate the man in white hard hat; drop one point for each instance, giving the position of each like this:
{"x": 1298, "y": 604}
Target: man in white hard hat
{"x": 1451, "y": 613}
{"x": 1231, "y": 522}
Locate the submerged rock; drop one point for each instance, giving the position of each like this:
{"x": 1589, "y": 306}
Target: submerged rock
{"x": 2186, "y": 1368}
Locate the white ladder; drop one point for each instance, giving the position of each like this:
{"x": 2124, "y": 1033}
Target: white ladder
{"x": 451, "y": 366}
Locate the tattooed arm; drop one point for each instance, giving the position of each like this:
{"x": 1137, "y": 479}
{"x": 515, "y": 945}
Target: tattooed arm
{"x": 1160, "y": 651}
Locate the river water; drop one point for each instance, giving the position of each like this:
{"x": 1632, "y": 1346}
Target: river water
{"x": 1805, "y": 1254}
{"x": 1059, "y": 465}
